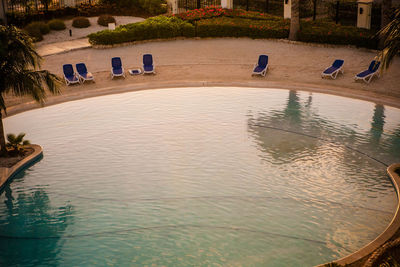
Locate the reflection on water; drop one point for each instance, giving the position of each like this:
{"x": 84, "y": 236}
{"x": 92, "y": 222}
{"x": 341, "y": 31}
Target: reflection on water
{"x": 378, "y": 121}
{"x": 201, "y": 176}
{"x": 26, "y": 220}
{"x": 299, "y": 118}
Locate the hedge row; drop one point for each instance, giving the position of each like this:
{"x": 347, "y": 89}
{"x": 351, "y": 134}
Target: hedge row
{"x": 236, "y": 27}
{"x": 331, "y": 33}
{"x": 160, "y": 27}
{"x": 213, "y": 12}
{"x": 37, "y": 29}
{"x": 216, "y": 22}
{"x": 21, "y": 19}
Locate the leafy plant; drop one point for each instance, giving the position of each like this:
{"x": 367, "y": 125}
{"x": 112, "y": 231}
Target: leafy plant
{"x": 219, "y": 22}
{"x": 37, "y": 29}
{"x": 15, "y": 144}
{"x": 103, "y": 20}
{"x": 80, "y": 22}
{"x": 44, "y": 28}
{"x": 154, "y": 7}
{"x": 324, "y": 31}
{"x": 34, "y": 32}
{"x": 237, "y": 27}
{"x": 20, "y": 72}
{"x": 389, "y": 262}
{"x": 391, "y": 35}
{"x": 57, "y": 24}
{"x": 152, "y": 28}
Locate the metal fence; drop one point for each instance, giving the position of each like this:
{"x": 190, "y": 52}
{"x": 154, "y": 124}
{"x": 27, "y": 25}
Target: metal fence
{"x": 268, "y": 6}
{"x": 185, "y": 5}
{"x": 40, "y": 5}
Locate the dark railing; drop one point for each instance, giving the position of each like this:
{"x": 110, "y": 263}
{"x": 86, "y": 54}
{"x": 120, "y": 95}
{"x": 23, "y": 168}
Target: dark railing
{"x": 40, "y": 5}
{"x": 267, "y": 6}
{"x": 185, "y": 5}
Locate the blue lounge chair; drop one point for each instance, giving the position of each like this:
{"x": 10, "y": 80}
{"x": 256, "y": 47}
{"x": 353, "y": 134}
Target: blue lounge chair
{"x": 70, "y": 76}
{"x": 148, "y": 65}
{"x": 116, "y": 67}
{"x": 262, "y": 66}
{"x": 83, "y": 74}
{"x": 333, "y": 70}
{"x": 368, "y": 74}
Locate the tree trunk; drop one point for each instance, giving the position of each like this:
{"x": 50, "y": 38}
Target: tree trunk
{"x": 294, "y": 21}
{"x": 3, "y": 150}
{"x": 386, "y": 9}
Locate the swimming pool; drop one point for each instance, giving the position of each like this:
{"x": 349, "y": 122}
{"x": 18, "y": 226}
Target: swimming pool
{"x": 201, "y": 176}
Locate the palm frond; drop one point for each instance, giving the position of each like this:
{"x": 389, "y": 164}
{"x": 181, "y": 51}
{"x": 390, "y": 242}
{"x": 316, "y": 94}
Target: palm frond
{"x": 19, "y": 47}
{"x": 11, "y": 138}
{"x": 19, "y": 66}
{"x": 20, "y": 137}
{"x": 26, "y": 142}
{"x": 33, "y": 83}
{"x": 391, "y": 35}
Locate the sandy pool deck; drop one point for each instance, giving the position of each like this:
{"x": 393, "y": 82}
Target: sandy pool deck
{"x": 223, "y": 62}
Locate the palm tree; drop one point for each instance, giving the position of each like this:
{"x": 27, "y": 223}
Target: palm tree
{"x": 391, "y": 36}
{"x": 294, "y": 20}
{"x": 19, "y": 74}
{"x": 386, "y": 12}
{"x": 16, "y": 143}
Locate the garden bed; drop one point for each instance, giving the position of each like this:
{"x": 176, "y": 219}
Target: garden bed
{"x": 218, "y": 22}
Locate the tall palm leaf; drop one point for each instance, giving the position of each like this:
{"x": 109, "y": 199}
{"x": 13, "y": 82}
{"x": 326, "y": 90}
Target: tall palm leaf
{"x": 19, "y": 74}
{"x": 294, "y": 20}
{"x": 391, "y": 36}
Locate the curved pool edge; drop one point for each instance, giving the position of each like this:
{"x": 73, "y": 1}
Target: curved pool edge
{"x": 357, "y": 257}
{"x": 390, "y": 232}
{"x": 6, "y": 174}
{"x": 374, "y": 97}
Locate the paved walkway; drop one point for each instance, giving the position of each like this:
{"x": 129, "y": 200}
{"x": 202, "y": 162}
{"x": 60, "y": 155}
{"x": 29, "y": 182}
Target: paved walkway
{"x": 62, "y": 47}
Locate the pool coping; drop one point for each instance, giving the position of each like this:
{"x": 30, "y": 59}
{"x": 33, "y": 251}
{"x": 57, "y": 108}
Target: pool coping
{"x": 361, "y": 255}
{"x": 6, "y": 174}
{"x": 374, "y": 97}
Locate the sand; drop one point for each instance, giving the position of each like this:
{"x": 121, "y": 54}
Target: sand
{"x": 224, "y": 62}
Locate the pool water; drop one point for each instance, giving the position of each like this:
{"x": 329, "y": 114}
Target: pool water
{"x": 201, "y": 177}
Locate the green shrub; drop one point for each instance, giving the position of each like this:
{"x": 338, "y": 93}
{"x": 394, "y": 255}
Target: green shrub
{"x": 80, "y": 22}
{"x": 57, "y": 24}
{"x": 35, "y": 29}
{"x": 212, "y": 12}
{"x": 330, "y": 33}
{"x": 236, "y": 27}
{"x": 154, "y": 7}
{"x": 218, "y": 22}
{"x": 43, "y": 27}
{"x": 152, "y": 28}
{"x": 103, "y": 20}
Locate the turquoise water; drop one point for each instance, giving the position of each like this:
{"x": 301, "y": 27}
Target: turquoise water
{"x": 201, "y": 177}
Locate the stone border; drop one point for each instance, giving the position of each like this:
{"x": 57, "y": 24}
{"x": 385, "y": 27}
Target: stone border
{"x": 6, "y": 174}
{"x": 279, "y": 40}
{"x": 132, "y": 87}
{"x": 390, "y": 231}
